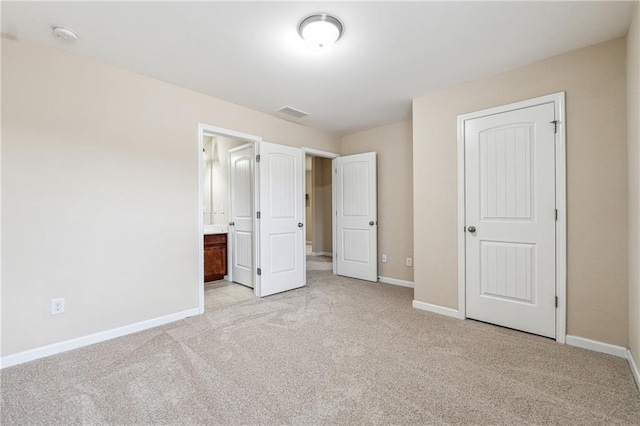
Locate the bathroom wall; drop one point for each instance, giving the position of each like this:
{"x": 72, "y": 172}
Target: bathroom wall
{"x": 216, "y": 196}
{"x": 206, "y": 180}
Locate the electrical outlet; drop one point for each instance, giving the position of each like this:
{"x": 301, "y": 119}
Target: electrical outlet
{"x": 409, "y": 261}
{"x": 384, "y": 258}
{"x": 57, "y": 306}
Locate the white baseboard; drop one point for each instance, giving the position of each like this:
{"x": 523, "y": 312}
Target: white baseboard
{"x": 395, "y": 281}
{"x": 437, "y": 309}
{"x": 594, "y": 345}
{"x": 634, "y": 368}
{"x": 322, "y": 253}
{"x": 67, "y": 345}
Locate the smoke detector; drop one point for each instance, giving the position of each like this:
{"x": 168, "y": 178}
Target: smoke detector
{"x": 64, "y": 33}
{"x": 293, "y": 112}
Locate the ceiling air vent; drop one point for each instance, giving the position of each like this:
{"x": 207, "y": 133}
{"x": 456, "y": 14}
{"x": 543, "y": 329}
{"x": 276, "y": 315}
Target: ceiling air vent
{"x": 293, "y": 112}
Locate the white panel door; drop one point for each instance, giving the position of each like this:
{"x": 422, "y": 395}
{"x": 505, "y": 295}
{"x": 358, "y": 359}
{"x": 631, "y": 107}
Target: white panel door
{"x": 510, "y": 219}
{"x": 241, "y": 170}
{"x": 282, "y": 236}
{"x": 357, "y": 216}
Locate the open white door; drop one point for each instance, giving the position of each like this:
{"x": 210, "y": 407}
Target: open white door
{"x": 282, "y": 236}
{"x": 241, "y": 214}
{"x": 357, "y": 216}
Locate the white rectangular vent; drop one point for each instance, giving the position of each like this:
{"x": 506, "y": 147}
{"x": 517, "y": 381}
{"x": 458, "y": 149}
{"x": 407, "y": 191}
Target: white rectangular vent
{"x": 293, "y": 112}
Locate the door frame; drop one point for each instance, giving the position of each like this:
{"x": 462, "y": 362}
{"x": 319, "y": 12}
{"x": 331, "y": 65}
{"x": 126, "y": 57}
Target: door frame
{"x": 558, "y": 101}
{"x": 331, "y": 155}
{"x": 208, "y": 130}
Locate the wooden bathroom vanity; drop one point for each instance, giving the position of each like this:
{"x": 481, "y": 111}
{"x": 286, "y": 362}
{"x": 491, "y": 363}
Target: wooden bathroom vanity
{"x": 215, "y": 257}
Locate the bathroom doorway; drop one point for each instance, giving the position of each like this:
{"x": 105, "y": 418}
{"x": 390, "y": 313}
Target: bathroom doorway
{"x": 228, "y": 236}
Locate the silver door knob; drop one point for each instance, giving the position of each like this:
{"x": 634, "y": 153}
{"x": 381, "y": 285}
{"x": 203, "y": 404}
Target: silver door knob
{"x": 300, "y": 225}
{"x": 472, "y": 229}
{"x": 232, "y": 223}
{"x": 371, "y": 223}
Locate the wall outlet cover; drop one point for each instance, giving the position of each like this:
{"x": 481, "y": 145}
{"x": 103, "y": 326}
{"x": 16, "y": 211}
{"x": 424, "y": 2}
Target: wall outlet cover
{"x": 57, "y": 306}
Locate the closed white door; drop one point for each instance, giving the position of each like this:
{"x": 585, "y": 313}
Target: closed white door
{"x": 510, "y": 219}
{"x": 241, "y": 170}
{"x": 357, "y": 216}
{"x": 282, "y": 235}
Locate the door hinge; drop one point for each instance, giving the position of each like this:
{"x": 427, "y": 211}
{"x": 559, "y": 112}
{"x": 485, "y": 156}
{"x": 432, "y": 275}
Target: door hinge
{"x": 258, "y": 158}
{"x": 556, "y": 215}
{"x": 464, "y": 229}
{"x": 336, "y": 170}
{"x": 258, "y": 215}
{"x": 555, "y": 125}
{"x": 259, "y": 271}
{"x": 556, "y": 301}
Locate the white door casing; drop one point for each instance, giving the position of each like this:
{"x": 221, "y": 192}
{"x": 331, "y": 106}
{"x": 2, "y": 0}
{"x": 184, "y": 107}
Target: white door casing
{"x": 282, "y": 235}
{"x": 241, "y": 171}
{"x": 205, "y": 130}
{"x": 357, "y": 216}
{"x": 510, "y": 200}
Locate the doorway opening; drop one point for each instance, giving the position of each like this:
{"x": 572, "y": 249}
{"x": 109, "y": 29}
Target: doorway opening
{"x": 265, "y": 235}
{"x": 227, "y": 189}
{"x": 318, "y": 213}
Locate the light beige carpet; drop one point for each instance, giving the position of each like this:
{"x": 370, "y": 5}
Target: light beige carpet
{"x": 339, "y": 351}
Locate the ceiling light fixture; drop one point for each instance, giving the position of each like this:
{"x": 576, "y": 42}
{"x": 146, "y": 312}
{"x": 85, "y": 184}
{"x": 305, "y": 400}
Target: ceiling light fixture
{"x": 320, "y": 29}
{"x": 65, "y": 33}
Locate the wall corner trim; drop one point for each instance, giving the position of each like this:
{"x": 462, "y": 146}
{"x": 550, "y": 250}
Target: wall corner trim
{"x": 79, "y": 342}
{"x": 594, "y": 345}
{"x": 395, "y": 281}
{"x": 634, "y": 368}
{"x": 437, "y": 309}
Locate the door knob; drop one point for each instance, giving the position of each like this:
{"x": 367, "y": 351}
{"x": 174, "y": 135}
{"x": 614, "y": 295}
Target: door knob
{"x": 232, "y": 223}
{"x": 472, "y": 229}
{"x": 300, "y": 225}
{"x": 371, "y": 223}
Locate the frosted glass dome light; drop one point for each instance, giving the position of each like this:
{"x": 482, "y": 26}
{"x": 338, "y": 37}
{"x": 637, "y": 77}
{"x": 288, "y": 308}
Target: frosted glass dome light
{"x": 320, "y": 29}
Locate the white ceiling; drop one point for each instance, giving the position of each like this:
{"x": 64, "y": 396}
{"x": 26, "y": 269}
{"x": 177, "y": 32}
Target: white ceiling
{"x": 250, "y": 53}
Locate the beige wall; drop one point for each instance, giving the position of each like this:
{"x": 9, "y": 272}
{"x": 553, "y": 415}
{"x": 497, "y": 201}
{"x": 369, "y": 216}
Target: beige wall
{"x": 633, "y": 136}
{"x": 393, "y": 143}
{"x": 99, "y": 194}
{"x": 594, "y": 79}
{"x": 308, "y": 184}
{"x": 322, "y": 201}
